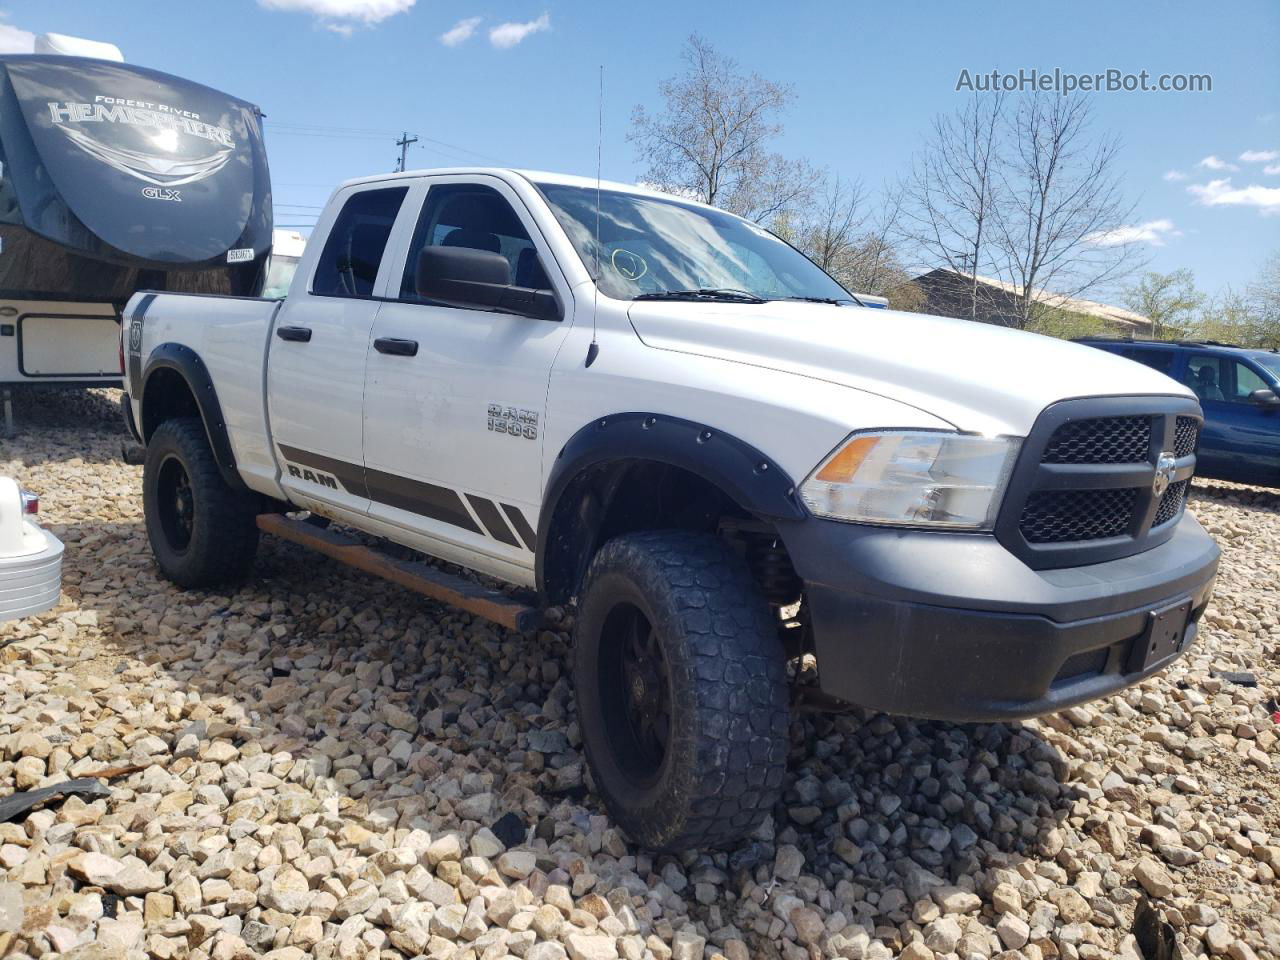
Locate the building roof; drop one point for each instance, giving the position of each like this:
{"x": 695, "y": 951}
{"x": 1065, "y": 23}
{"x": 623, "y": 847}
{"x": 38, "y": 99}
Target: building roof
{"x": 1089, "y": 308}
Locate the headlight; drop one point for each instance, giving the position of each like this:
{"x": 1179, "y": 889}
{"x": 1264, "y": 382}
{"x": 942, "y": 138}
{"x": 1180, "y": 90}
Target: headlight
{"x": 913, "y": 478}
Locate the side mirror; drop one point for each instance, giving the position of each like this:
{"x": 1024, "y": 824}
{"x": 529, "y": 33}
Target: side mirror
{"x": 1265, "y": 398}
{"x": 461, "y": 276}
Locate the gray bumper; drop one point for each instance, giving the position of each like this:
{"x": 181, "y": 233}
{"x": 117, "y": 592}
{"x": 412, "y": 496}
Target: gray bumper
{"x": 953, "y": 626}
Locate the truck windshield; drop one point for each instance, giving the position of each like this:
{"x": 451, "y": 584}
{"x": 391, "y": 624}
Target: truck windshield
{"x": 654, "y": 248}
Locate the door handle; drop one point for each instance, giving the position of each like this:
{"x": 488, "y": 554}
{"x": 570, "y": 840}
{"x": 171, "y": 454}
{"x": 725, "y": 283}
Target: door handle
{"x": 296, "y": 334}
{"x": 396, "y": 347}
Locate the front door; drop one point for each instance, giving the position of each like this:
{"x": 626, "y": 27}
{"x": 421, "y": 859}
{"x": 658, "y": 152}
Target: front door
{"x": 1241, "y": 438}
{"x": 316, "y": 363}
{"x": 455, "y": 397}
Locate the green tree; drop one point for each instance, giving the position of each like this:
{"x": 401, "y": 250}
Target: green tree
{"x": 1170, "y": 300}
{"x": 1227, "y": 318}
{"x": 1264, "y": 301}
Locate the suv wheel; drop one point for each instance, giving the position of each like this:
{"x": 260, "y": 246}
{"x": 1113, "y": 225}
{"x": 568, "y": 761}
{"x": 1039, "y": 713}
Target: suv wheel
{"x": 681, "y": 690}
{"x": 201, "y": 531}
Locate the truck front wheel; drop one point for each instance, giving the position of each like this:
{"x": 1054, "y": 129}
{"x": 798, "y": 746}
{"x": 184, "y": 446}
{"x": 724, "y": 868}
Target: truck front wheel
{"x": 681, "y": 688}
{"x": 201, "y": 531}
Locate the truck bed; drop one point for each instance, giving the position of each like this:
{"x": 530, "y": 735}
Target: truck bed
{"x": 232, "y": 337}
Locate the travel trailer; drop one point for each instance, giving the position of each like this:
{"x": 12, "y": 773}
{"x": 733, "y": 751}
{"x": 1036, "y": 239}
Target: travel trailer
{"x": 116, "y": 178}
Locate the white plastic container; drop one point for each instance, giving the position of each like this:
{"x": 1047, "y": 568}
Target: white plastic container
{"x": 30, "y": 559}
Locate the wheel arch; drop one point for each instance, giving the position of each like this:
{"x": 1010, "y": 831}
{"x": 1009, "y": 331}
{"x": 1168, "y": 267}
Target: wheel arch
{"x": 176, "y": 383}
{"x": 625, "y": 455}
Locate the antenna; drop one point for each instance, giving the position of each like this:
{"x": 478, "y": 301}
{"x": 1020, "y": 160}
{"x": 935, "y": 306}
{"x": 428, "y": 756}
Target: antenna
{"x": 594, "y": 349}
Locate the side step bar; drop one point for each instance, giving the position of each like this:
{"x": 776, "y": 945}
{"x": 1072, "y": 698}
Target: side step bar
{"x": 419, "y": 577}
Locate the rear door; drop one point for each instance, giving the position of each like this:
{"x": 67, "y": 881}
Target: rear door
{"x": 453, "y": 423}
{"x": 315, "y": 382}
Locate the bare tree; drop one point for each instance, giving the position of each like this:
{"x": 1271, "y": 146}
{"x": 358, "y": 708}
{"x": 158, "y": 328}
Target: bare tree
{"x": 876, "y": 264}
{"x": 949, "y": 197}
{"x": 829, "y": 230}
{"x": 1170, "y": 300}
{"x": 855, "y": 243}
{"x": 1061, "y": 217}
{"x": 711, "y": 138}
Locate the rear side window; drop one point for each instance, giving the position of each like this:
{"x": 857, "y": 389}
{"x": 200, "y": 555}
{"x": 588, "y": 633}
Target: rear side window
{"x": 479, "y": 218}
{"x": 349, "y": 262}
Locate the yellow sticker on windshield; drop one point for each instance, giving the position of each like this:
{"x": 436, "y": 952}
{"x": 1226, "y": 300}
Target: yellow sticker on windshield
{"x": 630, "y": 266}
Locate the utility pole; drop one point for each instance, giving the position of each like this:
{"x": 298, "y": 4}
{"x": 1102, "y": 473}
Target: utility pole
{"x": 403, "y": 144}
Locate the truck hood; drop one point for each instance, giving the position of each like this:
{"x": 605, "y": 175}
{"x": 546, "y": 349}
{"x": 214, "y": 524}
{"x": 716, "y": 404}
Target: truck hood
{"x": 976, "y": 376}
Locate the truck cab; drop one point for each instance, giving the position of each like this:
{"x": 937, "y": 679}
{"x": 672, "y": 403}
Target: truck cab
{"x": 666, "y": 420}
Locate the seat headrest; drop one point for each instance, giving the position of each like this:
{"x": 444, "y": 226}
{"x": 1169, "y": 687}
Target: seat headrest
{"x": 472, "y": 239}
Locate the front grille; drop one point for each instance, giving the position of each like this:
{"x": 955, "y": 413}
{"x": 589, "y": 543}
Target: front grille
{"x": 1171, "y": 503}
{"x": 1100, "y": 440}
{"x": 1055, "y": 516}
{"x": 1083, "y": 489}
{"x": 1185, "y": 436}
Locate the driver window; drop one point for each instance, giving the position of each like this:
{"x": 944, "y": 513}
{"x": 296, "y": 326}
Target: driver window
{"x": 353, "y": 252}
{"x": 479, "y": 218}
{"x": 1246, "y": 381}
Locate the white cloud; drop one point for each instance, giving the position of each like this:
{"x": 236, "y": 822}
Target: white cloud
{"x": 1259, "y": 156}
{"x": 1272, "y": 170}
{"x": 460, "y": 32}
{"x": 1153, "y": 232}
{"x": 506, "y": 35}
{"x": 1212, "y": 162}
{"x": 1220, "y": 193}
{"x": 1173, "y": 176}
{"x": 13, "y": 40}
{"x": 343, "y": 16}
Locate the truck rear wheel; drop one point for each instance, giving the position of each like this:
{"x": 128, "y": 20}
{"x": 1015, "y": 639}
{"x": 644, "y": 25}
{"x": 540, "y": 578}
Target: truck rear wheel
{"x": 202, "y": 532}
{"x": 681, "y": 690}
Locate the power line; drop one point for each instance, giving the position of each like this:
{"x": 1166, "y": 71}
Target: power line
{"x": 366, "y": 133}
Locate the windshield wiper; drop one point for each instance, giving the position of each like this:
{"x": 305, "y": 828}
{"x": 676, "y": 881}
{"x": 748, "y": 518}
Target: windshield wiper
{"x": 704, "y": 293}
{"x": 832, "y": 300}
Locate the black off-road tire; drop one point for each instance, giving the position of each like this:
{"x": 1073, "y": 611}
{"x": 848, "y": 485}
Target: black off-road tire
{"x": 202, "y": 532}
{"x": 723, "y": 763}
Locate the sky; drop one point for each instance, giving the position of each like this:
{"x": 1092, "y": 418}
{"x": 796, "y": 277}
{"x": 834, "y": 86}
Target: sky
{"x": 514, "y": 82}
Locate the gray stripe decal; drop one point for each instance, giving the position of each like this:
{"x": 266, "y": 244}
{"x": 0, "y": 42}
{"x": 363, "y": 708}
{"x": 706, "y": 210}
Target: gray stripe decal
{"x": 488, "y": 513}
{"x": 134, "y": 342}
{"x": 416, "y": 496}
{"x": 516, "y": 516}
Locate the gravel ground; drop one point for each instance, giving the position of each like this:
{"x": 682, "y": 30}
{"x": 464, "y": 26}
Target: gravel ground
{"x": 334, "y": 767}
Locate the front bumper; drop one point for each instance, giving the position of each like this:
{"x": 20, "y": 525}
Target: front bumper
{"x": 952, "y": 626}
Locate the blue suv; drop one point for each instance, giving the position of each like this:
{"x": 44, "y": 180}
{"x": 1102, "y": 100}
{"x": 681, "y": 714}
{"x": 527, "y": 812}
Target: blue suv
{"x": 1239, "y": 390}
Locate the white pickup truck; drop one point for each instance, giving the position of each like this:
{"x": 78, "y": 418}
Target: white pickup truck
{"x": 667, "y": 416}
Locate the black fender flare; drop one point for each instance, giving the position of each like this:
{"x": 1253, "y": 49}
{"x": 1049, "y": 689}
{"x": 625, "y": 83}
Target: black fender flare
{"x": 188, "y": 364}
{"x": 569, "y": 519}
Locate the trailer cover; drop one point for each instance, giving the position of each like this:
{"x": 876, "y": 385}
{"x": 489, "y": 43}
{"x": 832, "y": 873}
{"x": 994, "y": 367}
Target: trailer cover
{"x": 117, "y": 177}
